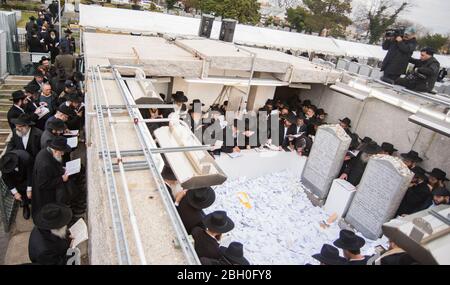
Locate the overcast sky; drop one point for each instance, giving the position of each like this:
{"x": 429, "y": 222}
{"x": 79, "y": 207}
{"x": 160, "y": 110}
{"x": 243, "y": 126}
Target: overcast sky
{"x": 432, "y": 14}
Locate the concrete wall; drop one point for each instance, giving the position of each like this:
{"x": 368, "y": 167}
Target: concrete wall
{"x": 383, "y": 123}
{"x": 3, "y": 63}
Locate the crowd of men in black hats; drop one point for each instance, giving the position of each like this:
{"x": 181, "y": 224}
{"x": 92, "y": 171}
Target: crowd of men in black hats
{"x": 42, "y": 117}
{"x": 297, "y": 128}
{"x": 42, "y": 36}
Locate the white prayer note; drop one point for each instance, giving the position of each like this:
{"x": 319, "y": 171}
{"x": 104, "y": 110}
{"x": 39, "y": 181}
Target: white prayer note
{"x": 234, "y": 154}
{"x": 79, "y": 233}
{"x": 42, "y": 111}
{"x": 72, "y": 142}
{"x": 73, "y": 166}
{"x": 72, "y": 133}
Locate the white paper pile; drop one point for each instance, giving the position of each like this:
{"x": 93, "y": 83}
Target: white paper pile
{"x": 278, "y": 225}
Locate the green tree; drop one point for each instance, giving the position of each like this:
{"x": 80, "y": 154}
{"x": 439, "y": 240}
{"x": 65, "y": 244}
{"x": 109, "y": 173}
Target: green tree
{"x": 328, "y": 14}
{"x": 381, "y": 17}
{"x": 245, "y": 11}
{"x": 297, "y": 17}
{"x": 436, "y": 41}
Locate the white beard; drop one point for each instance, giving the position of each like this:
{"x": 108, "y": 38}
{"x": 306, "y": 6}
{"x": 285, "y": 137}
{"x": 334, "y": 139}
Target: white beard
{"x": 58, "y": 158}
{"x": 61, "y": 232}
{"x": 19, "y": 134}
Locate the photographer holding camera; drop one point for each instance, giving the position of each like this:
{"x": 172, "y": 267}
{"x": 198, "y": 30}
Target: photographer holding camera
{"x": 400, "y": 45}
{"x": 425, "y": 74}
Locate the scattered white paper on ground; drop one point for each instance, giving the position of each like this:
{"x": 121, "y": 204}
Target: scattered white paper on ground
{"x": 72, "y": 142}
{"x": 73, "y": 166}
{"x": 282, "y": 226}
{"x": 78, "y": 232}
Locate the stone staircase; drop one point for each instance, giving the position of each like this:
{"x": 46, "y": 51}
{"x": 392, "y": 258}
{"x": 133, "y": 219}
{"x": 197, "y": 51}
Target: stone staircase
{"x": 11, "y": 84}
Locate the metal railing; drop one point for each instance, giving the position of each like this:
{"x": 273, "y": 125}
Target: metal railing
{"x": 23, "y": 63}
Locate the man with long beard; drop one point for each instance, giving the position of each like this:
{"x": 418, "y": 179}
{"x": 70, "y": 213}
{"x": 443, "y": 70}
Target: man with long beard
{"x": 49, "y": 240}
{"x": 49, "y": 177}
{"x": 25, "y": 136}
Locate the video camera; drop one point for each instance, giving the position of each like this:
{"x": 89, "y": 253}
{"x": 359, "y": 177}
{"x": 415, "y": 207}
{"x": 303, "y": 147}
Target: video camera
{"x": 393, "y": 33}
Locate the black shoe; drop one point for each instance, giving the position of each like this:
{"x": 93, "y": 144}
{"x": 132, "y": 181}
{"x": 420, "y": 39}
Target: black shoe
{"x": 26, "y": 212}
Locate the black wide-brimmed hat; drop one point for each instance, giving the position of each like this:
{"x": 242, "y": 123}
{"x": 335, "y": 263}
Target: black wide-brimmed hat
{"x": 201, "y": 198}
{"x": 16, "y": 95}
{"x": 329, "y": 255}
{"x": 23, "y": 120}
{"x": 440, "y": 191}
{"x": 371, "y": 148}
{"x": 346, "y": 121}
{"x": 8, "y": 162}
{"x": 66, "y": 110}
{"x": 412, "y": 155}
{"x": 349, "y": 240}
{"x": 419, "y": 172}
{"x": 56, "y": 125}
{"x": 38, "y": 73}
{"x": 73, "y": 97}
{"x": 365, "y": 139}
{"x": 167, "y": 173}
{"x": 388, "y": 147}
{"x": 321, "y": 112}
{"x": 68, "y": 31}
{"x": 439, "y": 174}
{"x": 179, "y": 97}
{"x": 234, "y": 253}
{"x": 291, "y": 118}
{"x": 219, "y": 222}
{"x": 32, "y": 18}
{"x": 60, "y": 143}
{"x": 69, "y": 84}
{"x": 53, "y": 216}
{"x": 197, "y": 101}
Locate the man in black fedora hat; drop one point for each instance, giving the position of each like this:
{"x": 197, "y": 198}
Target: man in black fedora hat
{"x": 437, "y": 178}
{"x": 418, "y": 196}
{"x": 55, "y": 128}
{"x": 179, "y": 100}
{"x": 20, "y": 101}
{"x": 37, "y": 82}
{"x": 356, "y": 167}
{"x": 411, "y": 159}
{"x": 441, "y": 196}
{"x": 206, "y": 241}
{"x": 17, "y": 168}
{"x": 49, "y": 177}
{"x": 190, "y": 205}
{"x": 64, "y": 113}
{"x": 75, "y": 102}
{"x": 49, "y": 241}
{"x": 25, "y": 136}
{"x": 286, "y": 130}
{"x": 329, "y": 255}
{"x": 234, "y": 254}
{"x": 351, "y": 245}
{"x": 387, "y": 148}
{"x": 345, "y": 123}
{"x": 68, "y": 42}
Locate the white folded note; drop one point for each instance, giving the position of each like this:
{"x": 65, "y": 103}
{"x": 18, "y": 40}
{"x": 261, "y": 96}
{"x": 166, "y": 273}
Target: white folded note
{"x": 78, "y": 232}
{"x": 72, "y": 133}
{"x": 73, "y": 166}
{"x": 42, "y": 111}
{"x": 72, "y": 142}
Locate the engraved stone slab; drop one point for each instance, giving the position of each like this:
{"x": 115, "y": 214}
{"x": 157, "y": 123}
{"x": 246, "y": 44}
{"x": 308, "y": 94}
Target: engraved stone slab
{"x": 379, "y": 194}
{"x": 325, "y": 159}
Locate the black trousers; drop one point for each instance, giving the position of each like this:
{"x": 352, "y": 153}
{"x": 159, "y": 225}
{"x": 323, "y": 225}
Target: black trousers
{"x": 22, "y": 189}
{"x": 411, "y": 84}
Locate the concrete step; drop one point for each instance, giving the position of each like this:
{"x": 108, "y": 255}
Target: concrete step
{"x": 17, "y": 81}
{"x": 19, "y": 77}
{"x": 17, "y": 252}
{"x": 4, "y": 124}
